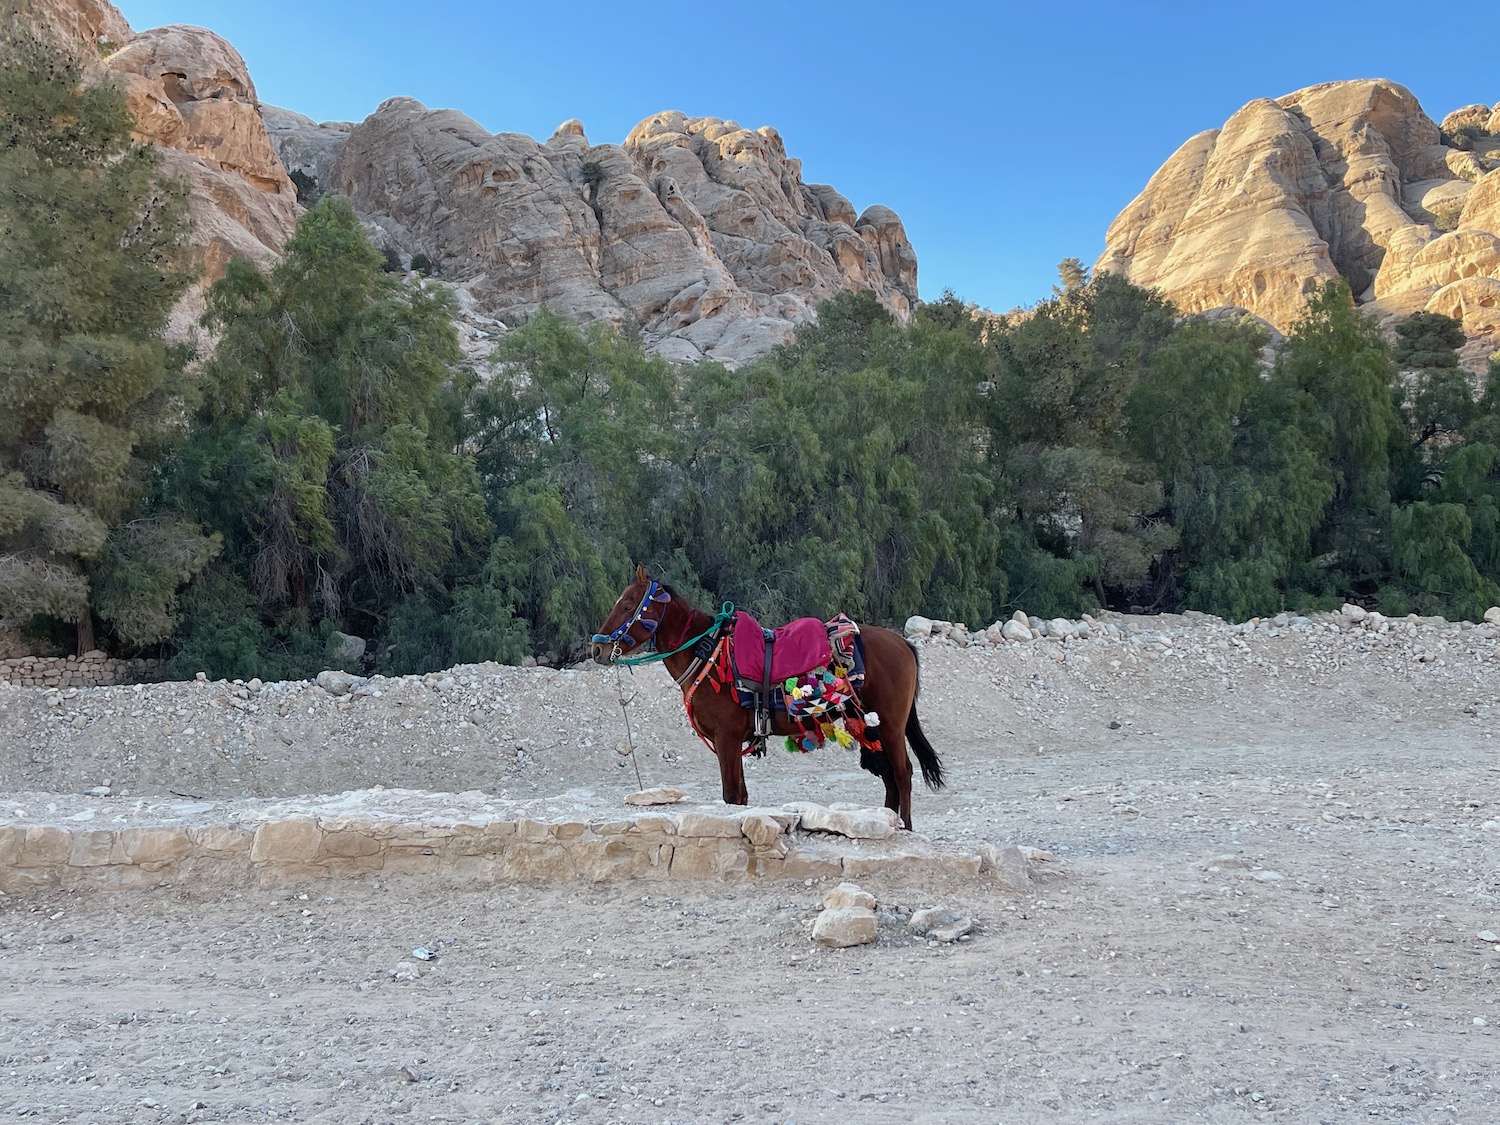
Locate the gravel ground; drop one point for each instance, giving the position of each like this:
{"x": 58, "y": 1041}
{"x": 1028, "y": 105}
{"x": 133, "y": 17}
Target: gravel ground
{"x": 1277, "y": 851}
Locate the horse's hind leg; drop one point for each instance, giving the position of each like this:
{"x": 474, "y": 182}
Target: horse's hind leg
{"x": 898, "y": 780}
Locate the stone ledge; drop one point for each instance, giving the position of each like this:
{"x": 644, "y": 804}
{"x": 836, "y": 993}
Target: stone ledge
{"x": 67, "y": 841}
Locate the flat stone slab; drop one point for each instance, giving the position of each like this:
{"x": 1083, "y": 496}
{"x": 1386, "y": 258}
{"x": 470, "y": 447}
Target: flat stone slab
{"x": 70, "y": 840}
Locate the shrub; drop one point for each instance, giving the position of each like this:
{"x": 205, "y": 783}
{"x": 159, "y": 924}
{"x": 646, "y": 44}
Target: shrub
{"x": 1446, "y": 217}
{"x": 422, "y": 264}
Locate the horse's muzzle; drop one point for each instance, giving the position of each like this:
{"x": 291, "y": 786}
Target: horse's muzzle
{"x": 602, "y": 654}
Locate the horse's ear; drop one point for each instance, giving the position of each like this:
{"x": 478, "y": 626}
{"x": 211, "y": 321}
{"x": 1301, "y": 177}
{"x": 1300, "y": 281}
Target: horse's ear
{"x": 640, "y": 574}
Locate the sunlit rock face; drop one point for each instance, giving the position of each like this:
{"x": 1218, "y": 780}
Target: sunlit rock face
{"x": 1346, "y": 179}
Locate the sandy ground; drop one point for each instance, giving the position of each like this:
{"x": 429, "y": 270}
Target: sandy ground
{"x": 1275, "y": 857}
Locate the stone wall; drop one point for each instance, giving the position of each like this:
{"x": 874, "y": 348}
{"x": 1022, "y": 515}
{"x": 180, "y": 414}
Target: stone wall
{"x": 154, "y": 847}
{"x": 92, "y": 669}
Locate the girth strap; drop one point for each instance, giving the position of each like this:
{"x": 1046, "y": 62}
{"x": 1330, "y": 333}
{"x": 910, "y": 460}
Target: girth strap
{"x": 763, "y": 701}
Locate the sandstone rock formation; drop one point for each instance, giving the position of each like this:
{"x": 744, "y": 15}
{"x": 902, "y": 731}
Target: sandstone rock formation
{"x": 95, "y": 25}
{"x": 1346, "y": 179}
{"x": 307, "y": 149}
{"x": 191, "y": 95}
{"x": 697, "y": 232}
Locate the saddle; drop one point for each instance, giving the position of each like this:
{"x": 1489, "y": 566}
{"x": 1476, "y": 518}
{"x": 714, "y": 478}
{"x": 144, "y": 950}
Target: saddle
{"x": 790, "y": 669}
{"x": 763, "y": 657}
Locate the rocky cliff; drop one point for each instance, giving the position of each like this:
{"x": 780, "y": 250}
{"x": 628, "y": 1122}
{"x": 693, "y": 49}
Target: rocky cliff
{"x": 1346, "y": 179}
{"x": 191, "y": 96}
{"x": 696, "y": 232}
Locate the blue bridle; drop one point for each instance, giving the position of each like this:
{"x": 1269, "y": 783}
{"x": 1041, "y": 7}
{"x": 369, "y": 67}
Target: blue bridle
{"x": 621, "y": 638}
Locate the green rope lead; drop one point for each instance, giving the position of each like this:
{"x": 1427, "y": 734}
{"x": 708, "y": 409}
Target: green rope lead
{"x": 724, "y": 614}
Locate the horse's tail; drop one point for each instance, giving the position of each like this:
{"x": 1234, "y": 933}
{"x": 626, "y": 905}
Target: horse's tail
{"x": 932, "y": 769}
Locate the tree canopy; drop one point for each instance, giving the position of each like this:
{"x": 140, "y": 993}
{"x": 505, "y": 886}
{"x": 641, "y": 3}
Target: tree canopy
{"x": 91, "y": 262}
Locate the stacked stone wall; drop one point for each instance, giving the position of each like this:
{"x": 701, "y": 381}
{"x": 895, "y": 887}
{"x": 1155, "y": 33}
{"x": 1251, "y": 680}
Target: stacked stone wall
{"x": 754, "y": 843}
{"x": 92, "y": 669}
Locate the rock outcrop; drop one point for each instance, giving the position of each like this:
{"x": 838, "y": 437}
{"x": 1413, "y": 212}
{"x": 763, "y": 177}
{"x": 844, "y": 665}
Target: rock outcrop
{"x": 191, "y": 96}
{"x": 695, "y": 231}
{"x": 95, "y": 25}
{"x": 308, "y": 150}
{"x": 1346, "y": 179}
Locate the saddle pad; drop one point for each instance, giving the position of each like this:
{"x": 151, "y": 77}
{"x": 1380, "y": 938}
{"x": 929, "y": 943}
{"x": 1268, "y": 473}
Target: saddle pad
{"x": 800, "y": 646}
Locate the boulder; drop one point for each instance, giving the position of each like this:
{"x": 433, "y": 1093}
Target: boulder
{"x": 1015, "y": 631}
{"x": 848, "y": 895}
{"x": 336, "y": 682}
{"x": 840, "y": 928}
{"x": 344, "y": 648}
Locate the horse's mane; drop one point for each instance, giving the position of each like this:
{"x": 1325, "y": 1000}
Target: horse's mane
{"x": 678, "y": 596}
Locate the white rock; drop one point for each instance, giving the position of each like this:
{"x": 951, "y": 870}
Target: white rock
{"x": 1492, "y": 615}
{"x": 1020, "y": 617}
{"x": 1059, "y": 627}
{"x": 917, "y": 626}
{"x": 335, "y": 682}
{"x": 662, "y": 795}
{"x": 841, "y": 928}
{"x": 1353, "y": 612}
{"x": 931, "y": 917}
{"x": 847, "y": 895}
{"x": 1007, "y": 864}
{"x": 856, "y": 824}
{"x": 952, "y": 932}
{"x": 1013, "y": 630}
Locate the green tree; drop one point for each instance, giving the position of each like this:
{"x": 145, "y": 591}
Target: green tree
{"x": 1338, "y": 373}
{"x": 1427, "y": 339}
{"x": 1073, "y": 274}
{"x": 327, "y": 446}
{"x": 1057, "y": 437}
{"x": 91, "y": 261}
{"x": 574, "y": 439}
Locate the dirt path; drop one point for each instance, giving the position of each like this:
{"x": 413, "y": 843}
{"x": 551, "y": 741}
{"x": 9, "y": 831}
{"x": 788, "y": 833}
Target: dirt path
{"x": 1271, "y": 879}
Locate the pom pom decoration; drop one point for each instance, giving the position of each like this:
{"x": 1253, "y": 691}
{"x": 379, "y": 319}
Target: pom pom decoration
{"x": 872, "y": 719}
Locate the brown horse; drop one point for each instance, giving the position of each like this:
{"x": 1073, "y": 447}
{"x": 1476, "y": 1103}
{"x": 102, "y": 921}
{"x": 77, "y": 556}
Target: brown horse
{"x": 649, "y": 614}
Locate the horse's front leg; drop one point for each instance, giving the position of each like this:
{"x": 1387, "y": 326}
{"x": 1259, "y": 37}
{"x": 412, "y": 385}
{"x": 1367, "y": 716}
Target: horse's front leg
{"x": 729, "y": 749}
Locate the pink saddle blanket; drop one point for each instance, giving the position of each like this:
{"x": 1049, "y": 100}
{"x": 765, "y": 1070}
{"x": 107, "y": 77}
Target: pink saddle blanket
{"x": 800, "y": 646}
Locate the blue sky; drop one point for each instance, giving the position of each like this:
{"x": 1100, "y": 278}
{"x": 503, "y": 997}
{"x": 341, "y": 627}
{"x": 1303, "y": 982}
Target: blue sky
{"x": 1006, "y": 136}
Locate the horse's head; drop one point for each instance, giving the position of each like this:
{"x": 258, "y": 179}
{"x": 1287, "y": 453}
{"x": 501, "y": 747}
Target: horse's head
{"x": 633, "y": 621}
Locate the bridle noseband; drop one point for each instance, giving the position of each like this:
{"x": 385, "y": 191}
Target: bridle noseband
{"x": 620, "y": 638}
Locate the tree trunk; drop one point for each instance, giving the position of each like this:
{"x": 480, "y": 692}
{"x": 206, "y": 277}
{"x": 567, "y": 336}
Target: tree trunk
{"x": 86, "y": 633}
